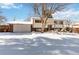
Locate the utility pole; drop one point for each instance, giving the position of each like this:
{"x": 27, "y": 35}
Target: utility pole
{"x": 14, "y": 19}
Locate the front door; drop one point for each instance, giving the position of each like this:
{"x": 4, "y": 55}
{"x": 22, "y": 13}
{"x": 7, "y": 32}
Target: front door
{"x": 49, "y": 27}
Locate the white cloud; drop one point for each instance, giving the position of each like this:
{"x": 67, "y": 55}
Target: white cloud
{"x": 68, "y": 14}
{"x": 9, "y": 5}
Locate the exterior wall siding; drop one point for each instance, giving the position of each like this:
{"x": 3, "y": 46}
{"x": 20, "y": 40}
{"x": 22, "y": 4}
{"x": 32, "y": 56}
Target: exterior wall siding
{"x": 21, "y": 28}
{"x": 49, "y": 22}
{"x": 39, "y": 25}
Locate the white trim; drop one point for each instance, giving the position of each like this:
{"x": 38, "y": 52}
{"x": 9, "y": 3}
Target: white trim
{"x": 19, "y": 22}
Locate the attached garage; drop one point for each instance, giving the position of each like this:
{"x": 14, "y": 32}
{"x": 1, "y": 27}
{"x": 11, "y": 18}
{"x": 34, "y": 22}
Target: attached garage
{"x": 21, "y": 27}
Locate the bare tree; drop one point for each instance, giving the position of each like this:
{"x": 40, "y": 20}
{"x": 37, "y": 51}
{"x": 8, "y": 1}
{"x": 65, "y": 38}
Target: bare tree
{"x": 47, "y": 10}
{"x": 14, "y": 18}
{"x": 2, "y": 19}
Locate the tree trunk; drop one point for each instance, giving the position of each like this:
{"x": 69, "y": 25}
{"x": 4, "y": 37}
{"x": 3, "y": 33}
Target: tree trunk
{"x": 42, "y": 21}
{"x": 43, "y": 28}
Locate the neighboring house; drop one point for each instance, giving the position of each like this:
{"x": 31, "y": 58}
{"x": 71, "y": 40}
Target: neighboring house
{"x": 76, "y": 27}
{"x": 4, "y": 27}
{"x": 51, "y": 24}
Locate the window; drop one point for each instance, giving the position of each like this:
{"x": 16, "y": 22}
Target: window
{"x": 61, "y": 22}
{"x": 55, "y": 22}
{"x": 37, "y": 21}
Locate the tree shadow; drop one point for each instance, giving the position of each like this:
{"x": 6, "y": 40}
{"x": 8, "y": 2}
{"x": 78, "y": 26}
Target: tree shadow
{"x": 13, "y": 33}
{"x": 40, "y": 46}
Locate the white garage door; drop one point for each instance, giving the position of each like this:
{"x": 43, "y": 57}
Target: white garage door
{"x": 21, "y": 28}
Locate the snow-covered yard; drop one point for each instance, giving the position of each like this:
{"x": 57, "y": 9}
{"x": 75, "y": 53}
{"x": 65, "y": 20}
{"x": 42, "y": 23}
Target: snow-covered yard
{"x": 39, "y": 43}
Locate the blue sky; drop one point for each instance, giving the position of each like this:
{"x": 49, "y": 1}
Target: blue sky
{"x": 22, "y": 11}
{"x": 19, "y": 11}
{"x": 71, "y": 12}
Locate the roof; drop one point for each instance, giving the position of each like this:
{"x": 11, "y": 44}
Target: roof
{"x": 38, "y": 18}
{"x": 3, "y": 23}
{"x": 76, "y": 24}
{"x": 19, "y": 22}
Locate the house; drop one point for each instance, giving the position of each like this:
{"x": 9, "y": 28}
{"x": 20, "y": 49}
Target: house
{"x": 34, "y": 25}
{"x": 51, "y": 24}
{"x": 37, "y": 24}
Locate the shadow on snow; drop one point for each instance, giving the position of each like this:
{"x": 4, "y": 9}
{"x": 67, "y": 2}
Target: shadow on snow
{"x": 40, "y": 46}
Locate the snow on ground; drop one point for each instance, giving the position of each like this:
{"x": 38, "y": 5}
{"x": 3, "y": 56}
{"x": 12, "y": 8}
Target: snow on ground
{"x": 39, "y": 43}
